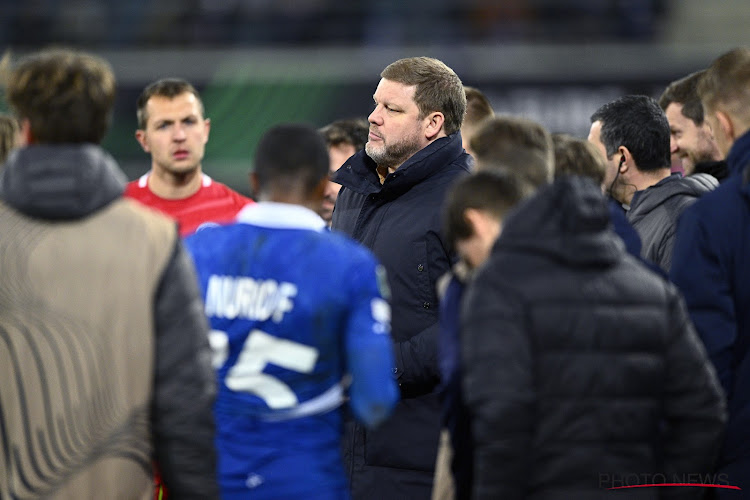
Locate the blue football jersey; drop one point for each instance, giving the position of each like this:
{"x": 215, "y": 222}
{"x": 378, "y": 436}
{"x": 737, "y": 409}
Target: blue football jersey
{"x": 299, "y": 323}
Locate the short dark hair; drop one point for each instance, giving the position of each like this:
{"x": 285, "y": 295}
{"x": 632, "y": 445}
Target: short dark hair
{"x": 291, "y": 153}
{"x": 520, "y": 145}
{"x": 574, "y": 156}
{"x": 351, "y": 131}
{"x": 166, "y": 87}
{"x": 66, "y": 95}
{"x": 638, "y": 123}
{"x": 478, "y": 107}
{"x": 685, "y": 91}
{"x": 438, "y": 88}
{"x": 493, "y": 191}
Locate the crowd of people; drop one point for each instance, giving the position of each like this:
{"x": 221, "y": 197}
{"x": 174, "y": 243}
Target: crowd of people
{"x": 439, "y": 300}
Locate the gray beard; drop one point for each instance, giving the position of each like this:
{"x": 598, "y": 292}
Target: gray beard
{"x": 394, "y": 155}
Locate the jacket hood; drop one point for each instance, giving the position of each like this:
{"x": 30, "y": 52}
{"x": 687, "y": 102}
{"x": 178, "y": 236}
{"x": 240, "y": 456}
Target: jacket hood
{"x": 61, "y": 181}
{"x": 567, "y": 220}
{"x": 359, "y": 174}
{"x": 675, "y": 185}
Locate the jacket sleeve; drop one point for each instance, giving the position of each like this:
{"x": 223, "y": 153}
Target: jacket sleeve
{"x": 666, "y": 250}
{"x": 185, "y": 387}
{"x": 694, "y": 407}
{"x": 699, "y": 272}
{"x": 498, "y": 387}
{"x": 417, "y": 362}
{"x": 369, "y": 354}
{"x": 417, "y": 359}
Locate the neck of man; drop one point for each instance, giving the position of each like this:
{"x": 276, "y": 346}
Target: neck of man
{"x": 292, "y": 194}
{"x": 384, "y": 171}
{"x": 644, "y": 180}
{"x": 175, "y": 186}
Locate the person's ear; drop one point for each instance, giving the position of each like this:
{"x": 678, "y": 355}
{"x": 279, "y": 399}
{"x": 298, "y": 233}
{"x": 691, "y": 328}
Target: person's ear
{"x": 727, "y": 124}
{"x": 625, "y": 160}
{"x": 140, "y": 136}
{"x": 207, "y": 124}
{"x": 26, "y": 134}
{"x": 478, "y": 220}
{"x": 254, "y": 185}
{"x": 319, "y": 191}
{"x": 435, "y": 121}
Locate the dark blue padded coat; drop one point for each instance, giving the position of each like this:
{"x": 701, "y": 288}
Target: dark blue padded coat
{"x": 711, "y": 265}
{"x": 400, "y": 221}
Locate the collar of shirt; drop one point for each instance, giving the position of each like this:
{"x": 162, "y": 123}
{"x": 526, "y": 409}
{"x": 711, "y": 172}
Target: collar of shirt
{"x": 281, "y": 216}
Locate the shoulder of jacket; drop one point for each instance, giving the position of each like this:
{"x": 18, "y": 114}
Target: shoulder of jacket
{"x": 151, "y": 221}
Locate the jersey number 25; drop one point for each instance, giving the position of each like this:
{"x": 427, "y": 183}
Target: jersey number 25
{"x": 259, "y": 349}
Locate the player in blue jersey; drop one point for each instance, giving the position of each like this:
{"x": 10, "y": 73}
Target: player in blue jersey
{"x": 299, "y": 325}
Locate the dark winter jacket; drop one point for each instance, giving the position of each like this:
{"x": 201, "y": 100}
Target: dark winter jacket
{"x": 400, "y": 221}
{"x": 718, "y": 169}
{"x": 578, "y": 360}
{"x": 654, "y": 212}
{"x": 712, "y": 268}
{"x": 104, "y": 354}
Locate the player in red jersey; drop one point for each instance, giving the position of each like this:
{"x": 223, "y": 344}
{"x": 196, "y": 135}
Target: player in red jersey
{"x": 173, "y": 130}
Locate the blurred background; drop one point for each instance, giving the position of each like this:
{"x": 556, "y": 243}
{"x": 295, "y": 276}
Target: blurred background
{"x": 260, "y": 62}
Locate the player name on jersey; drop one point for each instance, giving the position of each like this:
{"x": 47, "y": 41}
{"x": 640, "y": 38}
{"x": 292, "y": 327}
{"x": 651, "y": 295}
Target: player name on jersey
{"x": 233, "y": 297}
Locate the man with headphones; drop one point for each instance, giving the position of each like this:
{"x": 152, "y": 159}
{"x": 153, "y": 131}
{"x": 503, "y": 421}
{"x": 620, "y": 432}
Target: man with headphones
{"x": 633, "y": 134}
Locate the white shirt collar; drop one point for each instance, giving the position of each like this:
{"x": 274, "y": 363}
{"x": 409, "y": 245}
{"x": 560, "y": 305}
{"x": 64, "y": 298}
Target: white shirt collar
{"x": 281, "y": 216}
{"x": 143, "y": 180}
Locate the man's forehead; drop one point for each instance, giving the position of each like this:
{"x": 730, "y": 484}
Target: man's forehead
{"x": 183, "y": 103}
{"x": 392, "y": 90}
{"x": 676, "y": 118}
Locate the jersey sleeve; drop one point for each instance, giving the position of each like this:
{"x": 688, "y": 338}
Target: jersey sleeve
{"x": 369, "y": 349}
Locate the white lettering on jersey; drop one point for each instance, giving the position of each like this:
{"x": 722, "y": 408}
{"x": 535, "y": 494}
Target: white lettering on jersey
{"x": 241, "y": 297}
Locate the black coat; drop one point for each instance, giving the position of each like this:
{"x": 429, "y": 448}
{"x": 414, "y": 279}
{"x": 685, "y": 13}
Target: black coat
{"x": 578, "y": 361}
{"x": 400, "y": 221}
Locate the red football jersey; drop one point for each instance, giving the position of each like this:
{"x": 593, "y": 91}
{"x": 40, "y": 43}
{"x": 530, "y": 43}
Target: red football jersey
{"x": 213, "y": 203}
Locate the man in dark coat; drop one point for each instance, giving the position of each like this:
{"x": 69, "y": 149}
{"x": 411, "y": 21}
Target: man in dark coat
{"x": 633, "y": 134}
{"x": 391, "y": 201}
{"x": 581, "y": 369}
{"x": 711, "y": 264}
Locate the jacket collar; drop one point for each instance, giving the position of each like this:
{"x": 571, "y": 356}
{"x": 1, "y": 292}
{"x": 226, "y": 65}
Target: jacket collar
{"x": 281, "y": 216}
{"x": 739, "y": 154}
{"x": 60, "y": 181}
{"x": 647, "y": 200}
{"x": 359, "y": 174}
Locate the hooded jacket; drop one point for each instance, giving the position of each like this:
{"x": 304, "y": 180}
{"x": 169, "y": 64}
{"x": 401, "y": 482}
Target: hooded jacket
{"x": 578, "y": 360}
{"x": 399, "y": 221}
{"x": 104, "y": 355}
{"x": 712, "y": 269}
{"x": 655, "y": 210}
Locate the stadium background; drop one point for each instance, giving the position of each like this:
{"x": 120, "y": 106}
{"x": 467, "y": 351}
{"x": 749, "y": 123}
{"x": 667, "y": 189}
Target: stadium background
{"x": 260, "y": 62}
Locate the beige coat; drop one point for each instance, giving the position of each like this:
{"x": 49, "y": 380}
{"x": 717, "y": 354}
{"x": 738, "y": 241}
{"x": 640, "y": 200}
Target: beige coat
{"x": 77, "y": 351}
